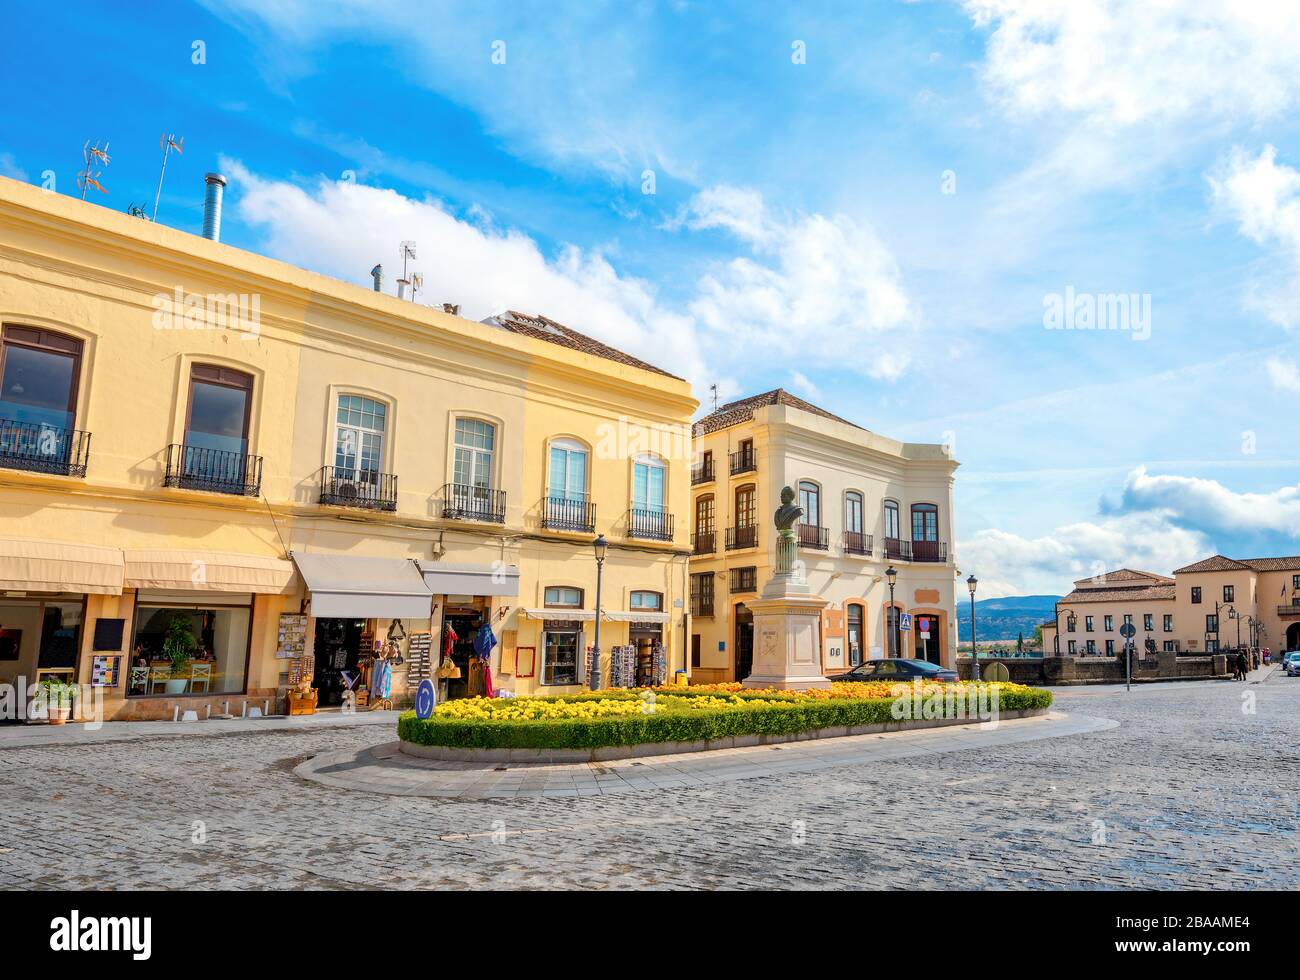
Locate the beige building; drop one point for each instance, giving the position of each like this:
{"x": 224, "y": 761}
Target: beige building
{"x": 1212, "y": 605}
{"x": 278, "y": 474}
{"x": 870, "y": 504}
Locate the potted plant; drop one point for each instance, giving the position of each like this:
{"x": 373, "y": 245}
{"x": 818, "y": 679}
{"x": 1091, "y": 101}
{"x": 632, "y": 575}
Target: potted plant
{"x": 179, "y": 645}
{"x": 57, "y": 697}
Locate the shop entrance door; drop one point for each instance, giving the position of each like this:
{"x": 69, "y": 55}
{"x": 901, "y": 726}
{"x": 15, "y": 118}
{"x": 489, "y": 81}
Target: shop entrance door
{"x": 926, "y": 649}
{"x": 465, "y": 622}
{"x": 744, "y": 642}
{"x": 338, "y": 649}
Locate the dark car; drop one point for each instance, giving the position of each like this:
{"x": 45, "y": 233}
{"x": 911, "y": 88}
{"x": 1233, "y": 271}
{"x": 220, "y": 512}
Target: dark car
{"x": 897, "y": 669}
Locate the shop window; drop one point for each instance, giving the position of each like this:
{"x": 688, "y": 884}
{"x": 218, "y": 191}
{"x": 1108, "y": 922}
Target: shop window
{"x": 560, "y": 656}
{"x": 475, "y": 449}
{"x": 562, "y": 596}
{"x": 179, "y": 648}
{"x": 652, "y": 601}
{"x": 854, "y": 618}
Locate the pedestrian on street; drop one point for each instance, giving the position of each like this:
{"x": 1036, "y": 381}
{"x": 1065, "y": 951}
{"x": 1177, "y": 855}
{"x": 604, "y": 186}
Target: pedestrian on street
{"x": 1243, "y": 665}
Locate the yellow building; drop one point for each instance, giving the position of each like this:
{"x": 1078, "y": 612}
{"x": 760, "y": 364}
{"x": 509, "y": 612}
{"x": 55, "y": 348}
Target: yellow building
{"x": 284, "y": 470}
{"x": 871, "y": 505}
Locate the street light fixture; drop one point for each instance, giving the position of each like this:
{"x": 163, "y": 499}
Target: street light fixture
{"x": 891, "y": 574}
{"x": 598, "y": 546}
{"x": 972, "y": 583}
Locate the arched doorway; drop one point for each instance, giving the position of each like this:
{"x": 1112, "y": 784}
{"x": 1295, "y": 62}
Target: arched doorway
{"x": 1293, "y": 636}
{"x": 743, "y": 641}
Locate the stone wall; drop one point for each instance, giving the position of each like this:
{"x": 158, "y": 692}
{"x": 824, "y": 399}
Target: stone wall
{"x": 1161, "y": 666}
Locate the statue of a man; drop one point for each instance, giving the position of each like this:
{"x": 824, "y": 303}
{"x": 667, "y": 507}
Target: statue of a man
{"x": 788, "y": 513}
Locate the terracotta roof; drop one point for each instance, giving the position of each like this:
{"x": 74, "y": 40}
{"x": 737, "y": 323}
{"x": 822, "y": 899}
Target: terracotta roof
{"x": 1215, "y": 563}
{"x": 1131, "y": 594}
{"x": 1288, "y": 564}
{"x": 742, "y": 410}
{"x": 1124, "y": 575}
{"x": 544, "y": 328}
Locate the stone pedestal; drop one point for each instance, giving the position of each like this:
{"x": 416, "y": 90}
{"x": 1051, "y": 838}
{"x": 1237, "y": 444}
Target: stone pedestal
{"x": 787, "y": 637}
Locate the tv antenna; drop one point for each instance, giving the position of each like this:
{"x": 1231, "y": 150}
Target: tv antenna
{"x": 407, "y": 251}
{"x": 166, "y": 142}
{"x": 417, "y": 283}
{"x": 714, "y": 389}
{"x": 88, "y": 178}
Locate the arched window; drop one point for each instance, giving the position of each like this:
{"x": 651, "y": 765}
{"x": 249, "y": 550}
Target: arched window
{"x": 853, "y": 512}
{"x": 568, "y": 480}
{"x": 475, "y": 450}
{"x": 891, "y": 519}
{"x": 648, "y": 484}
{"x": 810, "y": 499}
{"x": 925, "y": 522}
{"x": 360, "y": 423}
{"x": 38, "y": 378}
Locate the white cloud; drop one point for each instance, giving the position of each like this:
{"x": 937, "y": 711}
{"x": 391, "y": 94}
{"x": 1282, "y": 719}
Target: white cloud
{"x": 1210, "y": 506}
{"x": 1131, "y": 63}
{"x": 1009, "y": 564}
{"x": 827, "y": 281}
{"x": 1263, "y": 197}
{"x": 1284, "y": 375}
{"x": 9, "y": 167}
{"x": 801, "y": 383}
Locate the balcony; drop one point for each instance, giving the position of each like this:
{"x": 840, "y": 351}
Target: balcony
{"x": 342, "y": 486}
{"x": 1289, "y": 612}
{"x": 704, "y": 543}
{"x": 857, "y": 543}
{"x": 744, "y": 579}
{"x": 898, "y": 549}
{"x": 743, "y": 461}
{"x": 701, "y": 605}
{"x": 41, "y": 448}
{"x": 214, "y": 470}
{"x": 652, "y": 525}
{"x": 936, "y": 551}
{"x": 467, "y": 502}
{"x": 569, "y": 514}
{"x": 811, "y": 536}
{"x": 702, "y": 472}
{"x": 745, "y": 536}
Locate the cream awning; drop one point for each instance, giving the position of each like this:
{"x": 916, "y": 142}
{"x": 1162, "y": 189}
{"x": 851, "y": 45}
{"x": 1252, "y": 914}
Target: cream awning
{"x": 28, "y": 565}
{"x": 583, "y": 614}
{"x": 636, "y": 616}
{"x": 351, "y": 587}
{"x": 458, "y": 578}
{"x": 206, "y": 571}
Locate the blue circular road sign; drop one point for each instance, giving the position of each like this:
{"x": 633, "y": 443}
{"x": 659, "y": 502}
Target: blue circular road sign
{"x": 425, "y": 699}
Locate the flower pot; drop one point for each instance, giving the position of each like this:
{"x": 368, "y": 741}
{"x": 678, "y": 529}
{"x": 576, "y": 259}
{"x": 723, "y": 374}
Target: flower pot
{"x": 59, "y": 716}
{"x": 176, "y": 686}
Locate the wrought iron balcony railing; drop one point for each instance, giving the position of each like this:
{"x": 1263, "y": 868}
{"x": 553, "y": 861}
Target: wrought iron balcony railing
{"x": 811, "y": 536}
{"x": 745, "y": 536}
{"x": 857, "y": 543}
{"x": 704, "y": 542}
{"x": 743, "y": 461}
{"x": 1288, "y": 611}
{"x": 899, "y": 549}
{"x": 930, "y": 551}
{"x": 702, "y": 472}
{"x": 569, "y": 514}
{"x": 467, "y": 502}
{"x": 43, "y": 448}
{"x": 215, "y": 470}
{"x": 744, "y": 579}
{"x": 343, "y": 486}
{"x": 654, "y": 525}
{"x": 701, "y": 605}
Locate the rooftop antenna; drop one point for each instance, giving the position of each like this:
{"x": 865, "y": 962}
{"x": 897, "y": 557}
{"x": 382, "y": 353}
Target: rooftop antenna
{"x": 88, "y": 178}
{"x": 166, "y": 142}
{"x": 714, "y": 388}
{"x": 417, "y": 283}
{"x": 407, "y": 251}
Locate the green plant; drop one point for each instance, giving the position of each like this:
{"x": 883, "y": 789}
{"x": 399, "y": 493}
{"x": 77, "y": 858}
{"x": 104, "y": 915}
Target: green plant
{"x": 57, "y": 693}
{"x": 179, "y": 643}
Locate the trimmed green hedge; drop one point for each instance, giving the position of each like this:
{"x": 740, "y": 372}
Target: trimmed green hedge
{"x": 669, "y": 725}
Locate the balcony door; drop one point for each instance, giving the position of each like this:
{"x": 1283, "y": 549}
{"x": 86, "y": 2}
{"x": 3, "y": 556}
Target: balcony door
{"x": 568, "y": 471}
{"x": 648, "y": 485}
{"x": 38, "y": 395}
{"x": 359, "y": 439}
{"x": 219, "y": 404}
{"x": 925, "y": 532}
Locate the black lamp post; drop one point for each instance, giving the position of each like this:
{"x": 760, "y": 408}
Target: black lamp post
{"x": 891, "y": 574}
{"x": 1232, "y": 614}
{"x": 972, "y": 583}
{"x": 598, "y": 546}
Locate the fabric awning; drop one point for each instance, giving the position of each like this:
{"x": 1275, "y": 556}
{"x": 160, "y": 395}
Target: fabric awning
{"x": 206, "y": 571}
{"x": 29, "y": 565}
{"x": 455, "y": 578}
{"x": 583, "y": 614}
{"x": 351, "y": 587}
{"x": 636, "y": 616}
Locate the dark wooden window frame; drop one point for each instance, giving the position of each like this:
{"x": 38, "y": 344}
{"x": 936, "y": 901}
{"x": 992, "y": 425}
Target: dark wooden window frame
{"x": 49, "y": 342}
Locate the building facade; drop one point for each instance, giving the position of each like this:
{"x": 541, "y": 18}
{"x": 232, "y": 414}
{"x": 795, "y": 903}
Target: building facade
{"x": 1207, "y": 607}
{"x": 870, "y": 504}
{"x": 203, "y": 447}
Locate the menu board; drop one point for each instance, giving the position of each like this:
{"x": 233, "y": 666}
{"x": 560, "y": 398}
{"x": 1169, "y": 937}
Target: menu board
{"x": 105, "y": 671}
{"x": 419, "y": 663}
{"x": 291, "y": 641}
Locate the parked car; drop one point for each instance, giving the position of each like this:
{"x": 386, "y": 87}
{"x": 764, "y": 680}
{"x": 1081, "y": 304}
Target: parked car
{"x": 1291, "y": 663}
{"x": 897, "y": 669}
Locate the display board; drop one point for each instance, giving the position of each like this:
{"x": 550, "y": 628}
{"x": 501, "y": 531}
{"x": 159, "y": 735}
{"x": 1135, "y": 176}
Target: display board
{"x": 105, "y": 671}
{"x": 419, "y": 662}
{"x": 108, "y": 634}
{"x": 291, "y": 640}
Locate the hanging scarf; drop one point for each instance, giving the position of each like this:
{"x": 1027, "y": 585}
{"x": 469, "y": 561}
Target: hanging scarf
{"x": 450, "y": 642}
{"x": 484, "y": 641}
{"x": 488, "y": 692}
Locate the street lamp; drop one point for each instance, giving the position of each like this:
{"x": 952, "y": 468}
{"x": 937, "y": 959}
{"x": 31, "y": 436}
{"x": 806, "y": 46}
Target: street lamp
{"x": 891, "y": 574}
{"x": 1232, "y": 614}
{"x": 598, "y": 546}
{"x": 972, "y": 583}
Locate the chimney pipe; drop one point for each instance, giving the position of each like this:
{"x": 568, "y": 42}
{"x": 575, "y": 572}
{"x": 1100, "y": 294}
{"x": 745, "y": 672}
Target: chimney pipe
{"x": 401, "y": 288}
{"x": 212, "y": 207}
{"x": 378, "y": 273}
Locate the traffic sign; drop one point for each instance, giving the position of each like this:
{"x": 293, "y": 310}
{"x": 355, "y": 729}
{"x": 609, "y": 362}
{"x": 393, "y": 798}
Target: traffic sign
{"x": 1127, "y": 631}
{"x": 905, "y": 621}
{"x": 425, "y": 699}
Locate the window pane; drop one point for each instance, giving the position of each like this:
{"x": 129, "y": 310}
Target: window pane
{"x": 37, "y": 387}
{"x": 219, "y": 653}
{"x": 217, "y": 416}
{"x": 560, "y": 658}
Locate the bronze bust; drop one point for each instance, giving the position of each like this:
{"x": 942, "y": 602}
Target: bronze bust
{"x": 788, "y": 513}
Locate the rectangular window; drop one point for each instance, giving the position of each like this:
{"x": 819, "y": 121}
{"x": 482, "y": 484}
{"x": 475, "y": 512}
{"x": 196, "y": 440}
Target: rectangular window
{"x": 745, "y": 507}
{"x": 647, "y": 600}
{"x": 1212, "y": 623}
{"x": 853, "y": 512}
{"x": 1073, "y": 647}
{"x": 359, "y": 437}
{"x": 1070, "y": 622}
{"x": 854, "y": 627}
{"x": 891, "y": 519}
{"x": 180, "y": 648}
{"x": 1170, "y": 647}
{"x": 704, "y": 516}
{"x": 1092, "y": 646}
{"x": 560, "y": 657}
{"x": 1169, "y": 623}
{"x": 1196, "y": 595}
{"x": 810, "y": 500}
{"x": 702, "y": 594}
{"x": 38, "y": 378}
{"x": 925, "y": 522}
{"x": 219, "y": 403}
{"x": 568, "y": 472}
{"x": 1295, "y": 581}
{"x": 1211, "y": 646}
{"x": 1228, "y": 593}
{"x": 1089, "y": 624}
{"x": 695, "y": 650}
{"x": 744, "y": 579}
{"x": 1148, "y": 622}
{"x": 648, "y": 487}
{"x": 1110, "y": 648}
{"x": 1108, "y": 624}
{"x": 562, "y": 596}
{"x": 475, "y": 446}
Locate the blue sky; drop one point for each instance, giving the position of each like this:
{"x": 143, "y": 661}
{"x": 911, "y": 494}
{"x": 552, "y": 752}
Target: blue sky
{"x": 869, "y": 204}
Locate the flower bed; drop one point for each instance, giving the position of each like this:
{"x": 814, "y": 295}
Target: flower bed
{"x": 699, "y": 714}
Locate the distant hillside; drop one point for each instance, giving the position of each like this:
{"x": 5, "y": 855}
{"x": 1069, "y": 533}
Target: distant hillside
{"x": 1005, "y": 618}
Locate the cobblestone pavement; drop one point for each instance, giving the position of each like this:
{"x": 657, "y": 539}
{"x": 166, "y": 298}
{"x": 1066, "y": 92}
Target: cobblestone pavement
{"x": 1197, "y": 788}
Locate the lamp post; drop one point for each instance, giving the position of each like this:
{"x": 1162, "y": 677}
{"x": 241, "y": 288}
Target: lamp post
{"x": 972, "y": 583}
{"x": 891, "y": 574}
{"x": 1232, "y": 614}
{"x": 598, "y": 546}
